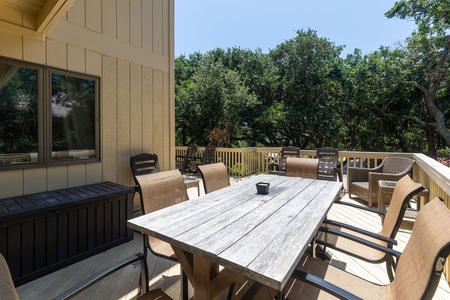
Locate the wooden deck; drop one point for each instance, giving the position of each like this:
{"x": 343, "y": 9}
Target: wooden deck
{"x": 166, "y": 275}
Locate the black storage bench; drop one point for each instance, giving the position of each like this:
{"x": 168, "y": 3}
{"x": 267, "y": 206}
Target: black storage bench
{"x": 43, "y": 232}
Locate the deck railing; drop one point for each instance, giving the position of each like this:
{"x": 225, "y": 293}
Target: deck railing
{"x": 433, "y": 175}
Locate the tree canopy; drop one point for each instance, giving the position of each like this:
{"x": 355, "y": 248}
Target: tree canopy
{"x": 304, "y": 93}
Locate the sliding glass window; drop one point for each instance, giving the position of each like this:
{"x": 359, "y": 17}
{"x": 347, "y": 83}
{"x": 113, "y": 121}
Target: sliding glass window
{"x": 47, "y": 116}
{"x": 20, "y": 95}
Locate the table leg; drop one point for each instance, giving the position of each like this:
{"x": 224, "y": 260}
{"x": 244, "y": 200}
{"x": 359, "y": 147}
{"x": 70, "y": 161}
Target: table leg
{"x": 204, "y": 272}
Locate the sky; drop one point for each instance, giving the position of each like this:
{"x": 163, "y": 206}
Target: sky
{"x": 203, "y": 25}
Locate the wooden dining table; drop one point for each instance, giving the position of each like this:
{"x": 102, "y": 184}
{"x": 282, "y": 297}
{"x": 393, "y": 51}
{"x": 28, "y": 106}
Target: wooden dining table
{"x": 261, "y": 237}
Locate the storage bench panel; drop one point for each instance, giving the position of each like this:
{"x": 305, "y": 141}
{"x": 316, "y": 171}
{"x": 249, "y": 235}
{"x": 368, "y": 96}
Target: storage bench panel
{"x": 43, "y": 232}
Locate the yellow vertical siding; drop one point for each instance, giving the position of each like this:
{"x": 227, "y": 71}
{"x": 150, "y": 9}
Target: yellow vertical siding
{"x": 147, "y": 111}
{"x": 136, "y": 109}
{"x": 109, "y": 119}
{"x": 123, "y": 122}
{"x": 129, "y": 45}
{"x": 136, "y": 23}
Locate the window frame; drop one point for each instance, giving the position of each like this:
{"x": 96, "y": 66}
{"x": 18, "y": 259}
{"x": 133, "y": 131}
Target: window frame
{"x": 44, "y": 115}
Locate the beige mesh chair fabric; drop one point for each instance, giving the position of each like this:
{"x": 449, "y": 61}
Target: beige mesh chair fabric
{"x": 363, "y": 182}
{"x": 160, "y": 190}
{"x": 215, "y": 177}
{"x": 403, "y": 191}
{"x": 418, "y": 270}
{"x": 7, "y": 289}
{"x": 302, "y": 167}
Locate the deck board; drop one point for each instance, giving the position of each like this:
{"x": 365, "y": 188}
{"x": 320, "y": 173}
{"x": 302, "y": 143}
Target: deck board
{"x": 166, "y": 274}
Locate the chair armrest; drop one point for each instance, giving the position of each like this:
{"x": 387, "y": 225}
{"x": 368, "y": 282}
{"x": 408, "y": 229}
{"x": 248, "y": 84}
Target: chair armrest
{"x": 369, "y": 209}
{"x": 88, "y": 282}
{"x": 357, "y": 174}
{"x": 357, "y": 239}
{"x": 323, "y": 285}
{"x": 359, "y": 230}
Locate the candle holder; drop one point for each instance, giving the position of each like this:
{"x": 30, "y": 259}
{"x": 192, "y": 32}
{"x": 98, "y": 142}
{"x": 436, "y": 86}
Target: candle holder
{"x": 262, "y": 188}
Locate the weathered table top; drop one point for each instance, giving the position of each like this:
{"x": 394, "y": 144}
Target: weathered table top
{"x": 260, "y": 236}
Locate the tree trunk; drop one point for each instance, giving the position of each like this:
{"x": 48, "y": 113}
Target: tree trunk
{"x": 431, "y": 142}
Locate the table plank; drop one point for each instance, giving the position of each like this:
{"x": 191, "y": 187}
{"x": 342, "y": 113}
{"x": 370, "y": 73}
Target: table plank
{"x": 178, "y": 213}
{"x": 278, "y": 261}
{"x": 230, "y": 235}
{"x": 210, "y": 225}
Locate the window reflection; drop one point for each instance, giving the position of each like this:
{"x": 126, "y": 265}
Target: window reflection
{"x": 73, "y": 117}
{"x": 18, "y": 114}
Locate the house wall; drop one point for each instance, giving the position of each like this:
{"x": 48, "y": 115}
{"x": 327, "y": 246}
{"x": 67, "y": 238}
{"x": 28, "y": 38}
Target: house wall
{"x": 129, "y": 45}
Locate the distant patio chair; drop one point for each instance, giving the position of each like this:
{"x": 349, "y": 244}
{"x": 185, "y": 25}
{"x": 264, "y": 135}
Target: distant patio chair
{"x": 280, "y": 167}
{"x": 363, "y": 182}
{"x": 417, "y": 274}
{"x": 183, "y": 162}
{"x": 302, "y": 167}
{"x": 352, "y": 240}
{"x": 160, "y": 190}
{"x": 215, "y": 176}
{"x": 329, "y": 167}
{"x": 141, "y": 164}
{"x": 208, "y": 156}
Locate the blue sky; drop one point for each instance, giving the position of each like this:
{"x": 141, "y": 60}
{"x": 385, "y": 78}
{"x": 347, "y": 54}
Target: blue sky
{"x": 203, "y": 25}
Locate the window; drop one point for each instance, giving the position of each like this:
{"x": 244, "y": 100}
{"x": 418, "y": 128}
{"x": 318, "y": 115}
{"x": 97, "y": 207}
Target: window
{"x": 47, "y": 116}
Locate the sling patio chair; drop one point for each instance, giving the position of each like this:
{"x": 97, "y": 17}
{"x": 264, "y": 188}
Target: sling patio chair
{"x": 280, "y": 167}
{"x": 329, "y": 168}
{"x": 352, "y": 240}
{"x": 184, "y": 162}
{"x": 141, "y": 164}
{"x": 302, "y": 167}
{"x": 417, "y": 274}
{"x": 8, "y": 291}
{"x": 363, "y": 182}
{"x": 160, "y": 190}
{"x": 207, "y": 158}
{"x": 215, "y": 176}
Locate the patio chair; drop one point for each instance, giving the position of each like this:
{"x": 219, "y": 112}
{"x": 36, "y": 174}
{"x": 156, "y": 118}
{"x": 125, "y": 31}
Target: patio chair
{"x": 329, "y": 167}
{"x": 363, "y": 182}
{"x": 302, "y": 167}
{"x": 280, "y": 167}
{"x": 352, "y": 240}
{"x": 418, "y": 270}
{"x": 183, "y": 162}
{"x": 215, "y": 177}
{"x": 160, "y": 190}
{"x": 141, "y": 164}
{"x": 208, "y": 156}
{"x": 8, "y": 291}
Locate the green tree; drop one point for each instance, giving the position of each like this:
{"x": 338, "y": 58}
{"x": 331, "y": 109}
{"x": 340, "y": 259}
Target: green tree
{"x": 213, "y": 98}
{"x": 303, "y": 111}
{"x": 428, "y": 51}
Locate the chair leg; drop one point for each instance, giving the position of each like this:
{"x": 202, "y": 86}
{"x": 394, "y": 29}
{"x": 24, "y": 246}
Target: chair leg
{"x": 390, "y": 267}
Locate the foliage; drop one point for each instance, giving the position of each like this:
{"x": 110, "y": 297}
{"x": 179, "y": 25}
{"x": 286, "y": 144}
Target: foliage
{"x": 304, "y": 93}
{"x": 18, "y": 112}
{"x": 427, "y": 62}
